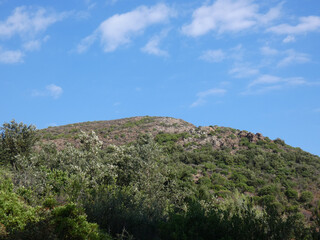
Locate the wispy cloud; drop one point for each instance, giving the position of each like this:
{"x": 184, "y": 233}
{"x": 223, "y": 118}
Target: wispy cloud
{"x": 34, "y": 45}
{"x": 265, "y": 79}
{"x": 28, "y": 21}
{"x": 213, "y": 55}
{"x": 121, "y": 28}
{"x": 86, "y": 43}
{"x": 305, "y": 25}
{"x": 287, "y": 57}
{"x": 152, "y": 47}
{"x": 293, "y": 57}
{"x": 27, "y": 24}
{"x": 243, "y": 71}
{"x": 10, "y": 57}
{"x": 268, "y": 83}
{"x": 268, "y": 51}
{"x": 203, "y": 95}
{"x": 90, "y": 4}
{"x": 289, "y": 39}
{"x": 51, "y": 90}
{"x": 228, "y": 16}
{"x": 219, "y": 55}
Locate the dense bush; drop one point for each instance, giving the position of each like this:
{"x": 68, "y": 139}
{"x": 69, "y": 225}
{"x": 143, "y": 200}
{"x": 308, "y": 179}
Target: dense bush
{"x": 14, "y": 213}
{"x": 16, "y": 139}
{"x": 235, "y": 221}
{"x": 306, "y": 197}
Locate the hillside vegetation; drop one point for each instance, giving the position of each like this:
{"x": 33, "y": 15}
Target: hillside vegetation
{"x": 154, "y": 178}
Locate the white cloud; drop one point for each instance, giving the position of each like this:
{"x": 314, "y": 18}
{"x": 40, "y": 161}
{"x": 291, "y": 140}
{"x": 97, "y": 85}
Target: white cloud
{"x": 203, "y": 95}
{"x": 10, "y": 57}
{"x": 228, "y": 16}
{"x": 51, "y": 90}
{"x": 306, "y": 24}
{"x": 213, "y": 91}
{"x": 293, "y": 57}
{"x": 86, "y": 43}
{"x": 218, "y": 55}
{"x": 243, "y": 71}
{"x": 266, "y": 79}
{"x": 262, "y": 90}
{"x": 267, "y": 83}
{"x": 152, "y": 47}
{"x": 289, "y": 39}
{"x": 298, "y": 81}
{"x": 271, "y": 15}
{"x": 90, "y": 4}
{"x": 213, "y": 55}
{"x": 54, "y": 90}
{"x": 198, "y": 102}
{"x": 267, "y": 51}
{"x": 269, "y": 79}
{"x": 121, "y": 28}
{"x": 28, "y": 21}
{"x": 34, "y": 45}
{"x": 289, "y": 56}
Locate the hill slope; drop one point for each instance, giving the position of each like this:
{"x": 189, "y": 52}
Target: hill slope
{"x": 155, "y": 178}
{"x": 237, "y": 155}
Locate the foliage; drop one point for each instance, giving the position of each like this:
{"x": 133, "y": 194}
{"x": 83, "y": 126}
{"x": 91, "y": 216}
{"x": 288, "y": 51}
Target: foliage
{"x": 306, "y": 197}
{"x": 239, "y": 220}
{"x": 14, "y": 213}
{"x": 155, "y": 188}
{"x": 16, "y": 139}
{"x": 71, "y": 223}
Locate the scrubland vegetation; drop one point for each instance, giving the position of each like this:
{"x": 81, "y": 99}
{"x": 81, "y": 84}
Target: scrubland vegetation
{"x": 155, "y": 187}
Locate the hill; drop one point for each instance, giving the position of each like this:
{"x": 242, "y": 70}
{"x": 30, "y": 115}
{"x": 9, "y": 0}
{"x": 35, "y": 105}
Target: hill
{"x": 171, "y": 132}
{"x": 124, "y": 131}
{"x": 248, "y": 154}
{"x": 161, "y": 178}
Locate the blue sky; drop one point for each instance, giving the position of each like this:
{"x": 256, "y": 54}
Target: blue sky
{"x": 245, "y": 64}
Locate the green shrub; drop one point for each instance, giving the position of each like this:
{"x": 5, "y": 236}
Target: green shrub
{"x": 118, "y": 209}
{"x": 236, "y": 222}
{"x": 291, "y": 194}
{"x": 244, "y": 142}
{"x": 306, "y": 197}
{"x": 14, "y": 213}
{"x": 71, "y": 223}
{"x": 267, "y": 190}
{"x": 170, "y": 137}
{"x": 279, "y": 141}
{"x": 16, "y": 139}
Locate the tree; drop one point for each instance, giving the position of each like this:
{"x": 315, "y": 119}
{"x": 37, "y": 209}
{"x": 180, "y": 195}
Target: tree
{"x": 16, "y": 139}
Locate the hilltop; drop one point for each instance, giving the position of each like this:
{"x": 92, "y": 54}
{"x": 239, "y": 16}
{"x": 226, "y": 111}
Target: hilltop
{"x": 124, "y": 131}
